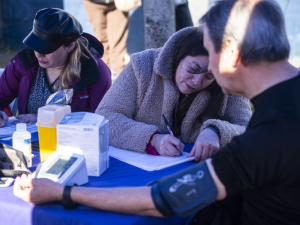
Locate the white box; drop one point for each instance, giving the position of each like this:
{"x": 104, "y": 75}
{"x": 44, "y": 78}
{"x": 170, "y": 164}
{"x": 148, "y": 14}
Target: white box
{"x": 87, "y": 134}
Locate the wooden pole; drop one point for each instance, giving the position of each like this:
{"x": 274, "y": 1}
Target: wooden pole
{"x": 159, "y": 19}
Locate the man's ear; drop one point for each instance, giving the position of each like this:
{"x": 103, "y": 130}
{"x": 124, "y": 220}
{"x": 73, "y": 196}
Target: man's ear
{"x": 233, "y": 50}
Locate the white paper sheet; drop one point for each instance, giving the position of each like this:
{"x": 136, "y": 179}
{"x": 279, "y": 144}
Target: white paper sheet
{"x": 145, "y": 161}
{"x": 7, "y": 131}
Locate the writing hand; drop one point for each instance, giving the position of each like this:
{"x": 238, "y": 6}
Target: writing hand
{"x": 206, "y": 145}
{"x": 3, "y": 118}
{"x": 167, "y": 145}
{"x": 26, "y": 118}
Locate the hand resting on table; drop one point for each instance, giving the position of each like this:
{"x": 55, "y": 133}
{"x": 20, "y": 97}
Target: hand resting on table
{"x": 37, "y": 191}
{"x": 206, "y": 145}
{"x": 26, "y": 118}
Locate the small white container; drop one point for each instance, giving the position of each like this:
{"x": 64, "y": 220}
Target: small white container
{"x": 22, "y": 142}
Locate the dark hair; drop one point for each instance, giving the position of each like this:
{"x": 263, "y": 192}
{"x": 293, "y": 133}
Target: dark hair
{"x": 258, "y": 28}
{"x": 191, "y": 44}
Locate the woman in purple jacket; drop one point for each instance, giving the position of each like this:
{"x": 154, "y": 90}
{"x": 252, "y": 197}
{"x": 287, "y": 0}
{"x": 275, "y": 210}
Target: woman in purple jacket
{"x": 59, "y": 56}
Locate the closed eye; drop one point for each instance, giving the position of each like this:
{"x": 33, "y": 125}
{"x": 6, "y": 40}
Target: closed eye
{"x": 209, "y": 76}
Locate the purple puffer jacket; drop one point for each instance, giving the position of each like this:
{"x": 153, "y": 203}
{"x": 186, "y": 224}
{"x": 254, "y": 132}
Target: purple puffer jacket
{"x": 89, "y": 90}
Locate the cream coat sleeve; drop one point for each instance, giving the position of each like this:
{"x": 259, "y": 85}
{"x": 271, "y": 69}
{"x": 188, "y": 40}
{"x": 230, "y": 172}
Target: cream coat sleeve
{"x": 119, "y": 106}
{"x": 239, "y": 112}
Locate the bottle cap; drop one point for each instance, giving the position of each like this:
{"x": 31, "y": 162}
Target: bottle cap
{"x": 21, "y": 126}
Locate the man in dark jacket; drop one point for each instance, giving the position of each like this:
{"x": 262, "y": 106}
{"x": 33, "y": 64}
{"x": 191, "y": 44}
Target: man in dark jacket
{"x": 248, "y": 53}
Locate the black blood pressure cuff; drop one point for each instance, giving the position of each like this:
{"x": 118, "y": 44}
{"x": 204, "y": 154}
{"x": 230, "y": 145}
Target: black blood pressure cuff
{"x": 185, "y": 192}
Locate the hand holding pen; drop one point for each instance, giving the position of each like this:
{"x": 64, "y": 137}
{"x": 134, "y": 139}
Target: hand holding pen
{"x": 167, "y": 144}
{"x": 170, "y": 131}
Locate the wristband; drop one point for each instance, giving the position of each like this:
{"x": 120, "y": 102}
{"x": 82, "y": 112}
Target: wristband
{"x": 215, "y": 129}
{"x": 67, "y": 201}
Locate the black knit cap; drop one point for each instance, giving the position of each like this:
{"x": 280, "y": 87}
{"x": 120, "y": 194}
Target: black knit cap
{"x": 52, "y": 28}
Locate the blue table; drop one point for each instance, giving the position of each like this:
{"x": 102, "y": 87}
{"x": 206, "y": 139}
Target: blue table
{"x": 15, "y": 211}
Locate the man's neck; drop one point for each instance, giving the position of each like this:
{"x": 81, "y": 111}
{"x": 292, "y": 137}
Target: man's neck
{"x": 258, "y": 78}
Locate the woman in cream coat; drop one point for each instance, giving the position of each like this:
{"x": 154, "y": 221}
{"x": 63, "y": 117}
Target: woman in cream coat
{"x": 173, "y": 81}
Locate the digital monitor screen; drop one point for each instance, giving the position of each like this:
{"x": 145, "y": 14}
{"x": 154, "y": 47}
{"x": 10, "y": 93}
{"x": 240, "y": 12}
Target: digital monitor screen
{"x": 60, "y": 166}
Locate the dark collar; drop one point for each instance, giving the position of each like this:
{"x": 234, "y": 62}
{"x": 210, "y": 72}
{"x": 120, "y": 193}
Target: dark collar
{"x": 89, "y": 67}
{"x": 28, "y": 58}
{"x": 89, "y": 72}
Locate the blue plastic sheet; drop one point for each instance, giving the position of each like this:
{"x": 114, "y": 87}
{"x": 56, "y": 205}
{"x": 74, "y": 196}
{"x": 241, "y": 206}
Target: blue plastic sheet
{"x": 15, "y": 211}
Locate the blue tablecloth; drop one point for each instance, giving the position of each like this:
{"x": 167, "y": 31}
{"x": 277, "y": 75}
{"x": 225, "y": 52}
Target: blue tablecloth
{"x": 15, "y": 211}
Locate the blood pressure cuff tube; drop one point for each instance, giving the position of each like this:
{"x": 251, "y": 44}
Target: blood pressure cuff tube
{"x": 185, "y": 192}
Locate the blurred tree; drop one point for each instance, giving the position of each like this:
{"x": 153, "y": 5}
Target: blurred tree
{"x": 16, "y": 19}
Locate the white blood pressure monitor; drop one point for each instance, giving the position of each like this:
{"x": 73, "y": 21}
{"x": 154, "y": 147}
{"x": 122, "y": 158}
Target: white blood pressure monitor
{"x": 64, "y": 168}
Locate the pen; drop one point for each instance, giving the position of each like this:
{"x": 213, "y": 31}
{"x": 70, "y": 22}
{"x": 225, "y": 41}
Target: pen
{"x": 169, "y": 129}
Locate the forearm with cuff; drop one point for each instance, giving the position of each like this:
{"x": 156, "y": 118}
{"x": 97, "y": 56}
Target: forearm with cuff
{"x": 185, "y": 192}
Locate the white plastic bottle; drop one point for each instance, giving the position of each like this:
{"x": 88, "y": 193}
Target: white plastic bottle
{"x": 22, "y": 142}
